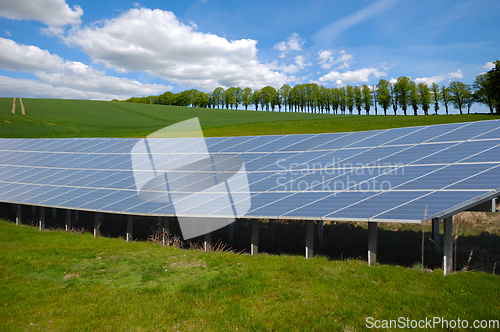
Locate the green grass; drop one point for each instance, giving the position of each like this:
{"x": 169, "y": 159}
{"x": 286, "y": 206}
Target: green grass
{"x": 53, "y": 280}
{"x": 84, "y": 118}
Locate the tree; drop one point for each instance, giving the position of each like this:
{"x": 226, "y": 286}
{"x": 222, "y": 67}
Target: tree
{"x": 230, "y": 97}
{"x": 402, "y": 87}
{"x": 349, "y": 98}
{"x": 284, "y": 93}
{"x": 166, "y": 98}
{"x": 217, "y": 96}
{"x": 256, "y": 99}
{"x": 445, "y": 97}
{"x": 471, "y": 99}
{"x": 323, "y": 99}
{"x": 367, "y": 98}
{"x": 482, "y": 90}
{"x": 394, "y": 97}
{"x": 237, "y": 96}
{"x": 335, "y": 99}
{"x": 487, "y": 88}
{"x": 342, "y": 99}
{"x": 384, "y": 95}
{"x": 202, "y": 99}
{"x": 268, "y": 97}
{"x": 458, "y": 94}
{"x": 375, "y": 93}
{"x": 246, "y": 97}
{"x": 358, "y": 98}
{"x": 494, "y": 79}
{"x": 425, "y": 97}
{"x": 436, "y": 96}
{"x": 414, "y": 97}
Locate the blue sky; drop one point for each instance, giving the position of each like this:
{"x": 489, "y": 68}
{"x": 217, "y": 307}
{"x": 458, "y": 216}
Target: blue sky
{"x": 117, "y": 49}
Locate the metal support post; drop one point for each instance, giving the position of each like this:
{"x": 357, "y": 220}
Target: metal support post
{"x": 254, "y": 246}
{"x": 130, "y": 227}
{"x": 207, "y": 241}
{"x": 372, "y": 242}
{"x": 18, "y": 214}
{"x": 309, "y": 238}
{"x": 42, "y": 218}
{"x": 68, "y": 220}
{"x": 97, "y": 224}
{"x": 448, "y": 246}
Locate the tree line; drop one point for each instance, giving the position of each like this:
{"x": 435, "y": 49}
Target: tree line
{"x": 404, "y": 94}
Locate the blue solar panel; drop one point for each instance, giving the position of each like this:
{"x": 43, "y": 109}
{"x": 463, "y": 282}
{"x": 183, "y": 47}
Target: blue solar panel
{"x": 311, "y": 142}
{"x": 375, "y": 175}
{"x": 469, "y": 131}
{"x": 385, "y": 137}
{"x": 489, "y": 155}
{"x": 428, "y": 206}
{"x": 458, "y": 152}
{"x": 286, "y": 203}
{"x": 425, "y": 134}
{"x": 348, "y": 140}
{"x": 483, "y": 180}
{"x": 250, "y": 145}
{"x": 323, "y": 207}
{"x": 375, "y": 204}
{"x": 444, "y": 177}
{"x": 283, "y": 141}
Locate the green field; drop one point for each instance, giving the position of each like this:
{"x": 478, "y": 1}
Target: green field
{"x": 82, "y": 118}
{"x": 53, "y": 280}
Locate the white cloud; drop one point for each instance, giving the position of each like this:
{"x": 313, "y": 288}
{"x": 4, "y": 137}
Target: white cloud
{"x": 439, "y": 78}
{"x": 52, "y": 31}
{"x": 27, "y": 88}
{"x": 78, "y": 76}
{"x": 327, "y": 60}
{"x": 8, "y": 33}
{"x": 155, "y": 41}
{"x": 293, "y": 43}
{"x": 288, "y": 69}
{"x": 27, "y": 58}
{"x": 60, "y": 78}
{"x": 456, "y": 74}
{"x": 489, "y": 65}
{"x": 355, "y": 76}
{"x": 328, "y": 33}
{"x": 301, "y": 62}
{"x": 49, "y": 12}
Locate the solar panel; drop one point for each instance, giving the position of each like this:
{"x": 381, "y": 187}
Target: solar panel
{"x": 402, "y": 175}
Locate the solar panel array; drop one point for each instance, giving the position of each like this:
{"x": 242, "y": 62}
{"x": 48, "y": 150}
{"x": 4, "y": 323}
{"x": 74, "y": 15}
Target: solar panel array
{"x": 402, "y": 175}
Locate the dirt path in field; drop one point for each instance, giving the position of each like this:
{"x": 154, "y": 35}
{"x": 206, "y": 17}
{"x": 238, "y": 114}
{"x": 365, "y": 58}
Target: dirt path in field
{"x": 14, "y": 106}
{"x": 22, "y": 107}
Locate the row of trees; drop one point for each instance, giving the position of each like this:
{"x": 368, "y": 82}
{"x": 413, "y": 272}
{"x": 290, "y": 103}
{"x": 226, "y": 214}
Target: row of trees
{"x": 403, "y": 94}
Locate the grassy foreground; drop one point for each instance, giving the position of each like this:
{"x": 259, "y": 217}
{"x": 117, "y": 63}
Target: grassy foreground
{"x": 53, "y": 280}
{"x": 85, "y": 118}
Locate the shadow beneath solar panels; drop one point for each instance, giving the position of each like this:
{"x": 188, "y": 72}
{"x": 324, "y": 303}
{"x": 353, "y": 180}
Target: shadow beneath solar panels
{"x": 477, "y": 246}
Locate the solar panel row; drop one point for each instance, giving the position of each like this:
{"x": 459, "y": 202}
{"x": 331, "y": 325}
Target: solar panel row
{"x": 404, "y": 174}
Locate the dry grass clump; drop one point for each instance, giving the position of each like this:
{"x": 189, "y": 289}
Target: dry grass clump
{"x": 163, "y": 237}
{"x": 478, "y": 221}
